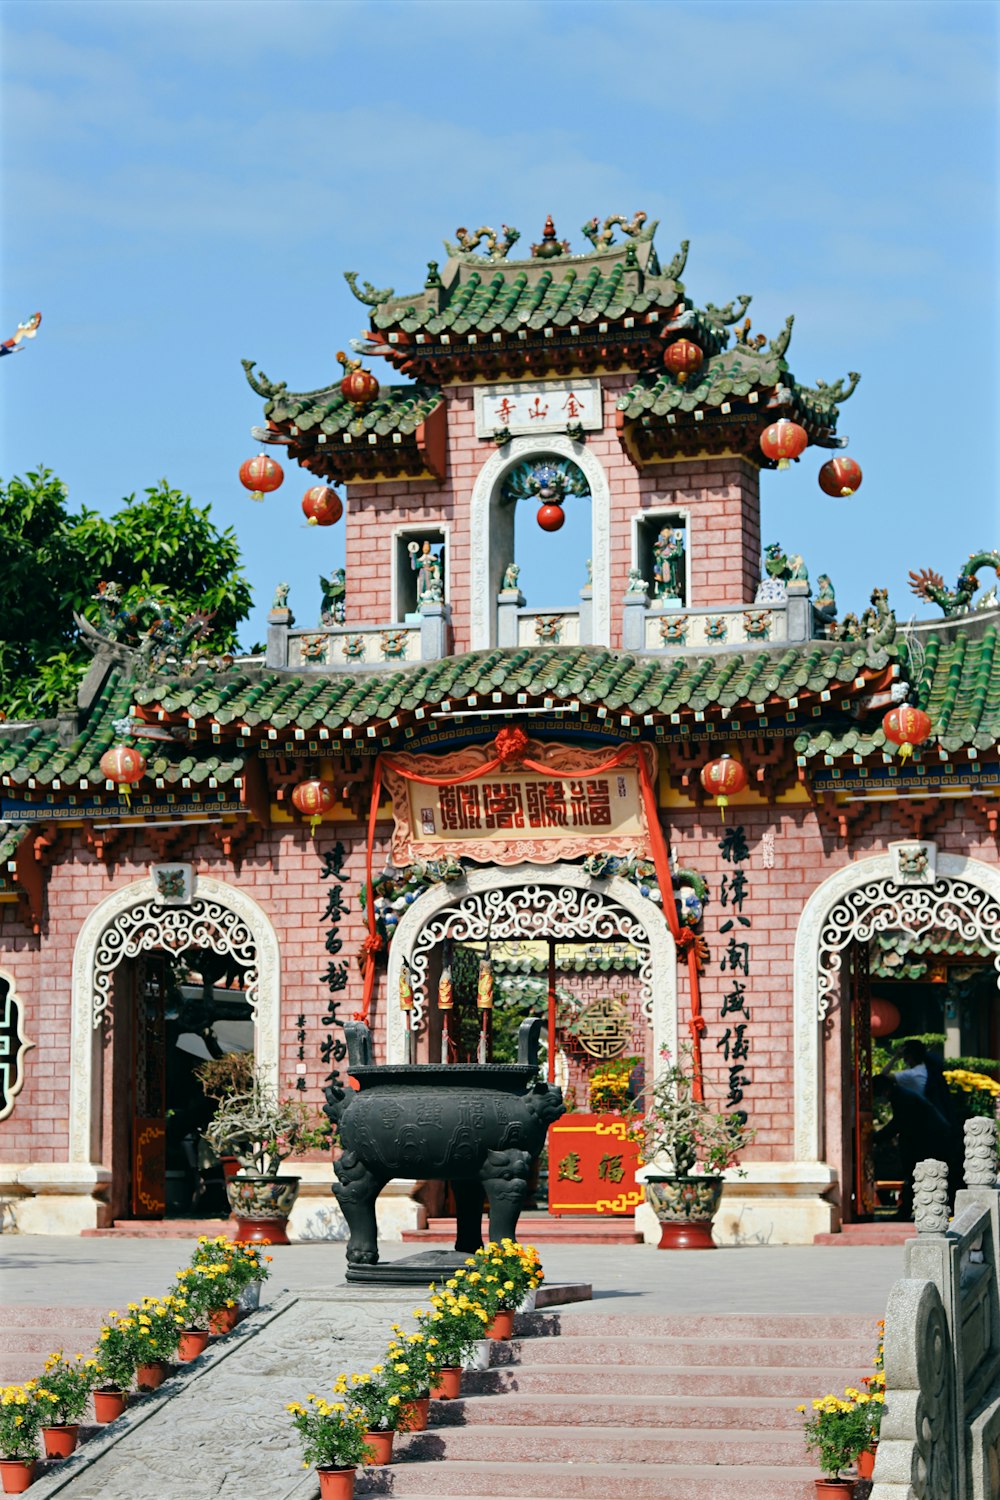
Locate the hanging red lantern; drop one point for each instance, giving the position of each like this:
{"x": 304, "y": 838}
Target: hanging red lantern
{"x": 550, "y": 517}
{"x": 683, "y": 358}
{"x": 313, "y": 798}
{"x": 322, "y": 506}
{"x": 358, "y": 386}
{"x": 840, "y": 476}
{"x": 722, "y": 779}
{"x": 260, "y": 475}
{"x": 123, "y": 765}
{"x": 885, "y": 1017}
{"x": 784, "y": 440}
{"x": 906, "y": 727}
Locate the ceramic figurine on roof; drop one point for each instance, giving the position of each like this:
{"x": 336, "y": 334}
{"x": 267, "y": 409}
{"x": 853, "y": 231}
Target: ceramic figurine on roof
{"x": 930, "y": 585}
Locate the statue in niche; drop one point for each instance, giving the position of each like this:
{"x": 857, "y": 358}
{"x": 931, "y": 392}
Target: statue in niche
{"x": 430, "y": 573}
{"x": 512, "y": 573}
{"x": 669, "y": 554}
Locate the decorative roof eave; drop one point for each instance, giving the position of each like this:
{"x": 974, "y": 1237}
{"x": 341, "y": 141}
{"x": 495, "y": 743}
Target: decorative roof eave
{"x": 352, "y": 457}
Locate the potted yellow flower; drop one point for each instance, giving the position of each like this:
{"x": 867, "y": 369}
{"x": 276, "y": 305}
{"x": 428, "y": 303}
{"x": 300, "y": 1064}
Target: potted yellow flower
{"x": 67, "y": 1387}
{"x": 116, "y": 1366}
{"x": 837, "y": 1432}
{"x": 414, "y": 1360}
{"x": 20, "y": 1419}
{"x": 333, "y": 1440}
{"x": 379, "y": 1394}
{"x": 456, "y": 1321}
{"x": 501, "y": 1276}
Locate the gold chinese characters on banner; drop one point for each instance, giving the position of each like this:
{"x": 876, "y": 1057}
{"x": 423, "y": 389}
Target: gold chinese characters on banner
{"x": 512, "y": 814}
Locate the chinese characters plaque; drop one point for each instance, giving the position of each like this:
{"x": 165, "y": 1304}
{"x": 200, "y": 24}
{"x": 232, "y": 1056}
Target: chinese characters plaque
{"x": 592, "y": 1166}
{"x": 538, "y": 406}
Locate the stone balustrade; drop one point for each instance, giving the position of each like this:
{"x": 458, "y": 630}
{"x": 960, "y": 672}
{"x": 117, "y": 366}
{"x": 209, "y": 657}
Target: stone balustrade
{"x": 650, "y": 626}
{"x": 356, "y": 647}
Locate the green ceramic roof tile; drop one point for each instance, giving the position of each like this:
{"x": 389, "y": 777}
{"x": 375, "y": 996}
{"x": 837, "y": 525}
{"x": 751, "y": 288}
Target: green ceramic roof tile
{"x": 396, "y": 408}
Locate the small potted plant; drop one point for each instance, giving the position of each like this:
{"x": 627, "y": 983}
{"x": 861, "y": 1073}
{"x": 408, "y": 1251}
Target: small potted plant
{"x": 245, "y": 1268}
{"x": 198, "y": 1291}
{"x": 456, "y": 1322}
{"x": 379, "y": 1394}
{"x": 66, "y": 1386}
{"x": 332, "y": 1434}
{"x": 154, "y": 1334}
{"x": 116, "y": 1360}
{"x": 873, "y": 1398}
{"x": 263, "y": 1130}
{"x": 20, "y": 1419}
{"x": 837, "y": 1432}
{"x": 501, "y": 1276}
{"x": 689, "y": 1146}
{"x": 414, "y": 1360}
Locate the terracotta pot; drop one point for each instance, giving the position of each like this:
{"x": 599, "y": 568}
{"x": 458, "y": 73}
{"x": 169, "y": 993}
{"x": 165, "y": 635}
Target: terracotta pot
{"x": 865, "y": 1464}
{"x": 193, "y": 1341}
{"x": 413, "y": 1415}
{"x": 109, "y": 1405}
{"x": 336, "y": 1484}
{"x": 502, "y": 1326}
{"x": 60, "y": 1439}
{"x": 449, "y": 1384}
{"x": 381, "y": 1442}
{"x": 261, "y": 1206}
{"x": 685, "y": 1207}
{"x": 149, "y": 1377}
{"x": 222, "y": 1320}
{"x": 16, "y": 1474}
{"x": 833, "y": 1489}
{"x": 230, "y": 1166}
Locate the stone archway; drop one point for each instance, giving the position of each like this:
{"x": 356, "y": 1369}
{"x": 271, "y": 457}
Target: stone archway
{"x": 487, "y": 566}
{"x": 508, "y": 902}
{"x": 132, "y": 921}
{"x": 866, "y": 897}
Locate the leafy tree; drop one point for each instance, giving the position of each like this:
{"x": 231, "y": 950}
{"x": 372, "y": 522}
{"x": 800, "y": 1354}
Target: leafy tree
{"x": 52, "y": 559}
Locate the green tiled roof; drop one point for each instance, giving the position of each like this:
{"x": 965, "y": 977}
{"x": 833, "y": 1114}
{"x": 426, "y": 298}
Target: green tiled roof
{"x": 397, "y": 408}
{"x": 957, "y": 684}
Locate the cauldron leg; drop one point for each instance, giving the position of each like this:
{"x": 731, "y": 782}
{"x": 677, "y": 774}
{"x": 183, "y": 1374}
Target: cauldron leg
{"x": 504, "y": 1175}
{"x": 355, "y": 1190}
{"x": 469, "y": 1213}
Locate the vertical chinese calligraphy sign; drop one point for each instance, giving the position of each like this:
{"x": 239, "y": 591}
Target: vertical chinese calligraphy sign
{"x": 514, "y": 815}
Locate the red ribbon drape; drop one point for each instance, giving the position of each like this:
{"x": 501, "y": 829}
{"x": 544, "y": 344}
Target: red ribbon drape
{"x": 683, "y": 937}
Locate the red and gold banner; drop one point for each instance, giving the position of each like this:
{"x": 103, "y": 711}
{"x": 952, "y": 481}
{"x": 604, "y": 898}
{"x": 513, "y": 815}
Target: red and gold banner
{"x": 592, "y": 1166}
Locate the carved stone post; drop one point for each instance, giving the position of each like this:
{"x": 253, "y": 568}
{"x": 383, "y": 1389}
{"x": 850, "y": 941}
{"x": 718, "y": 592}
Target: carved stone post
{"x": 980, "y": 1153}
{"x": 930, "y": 1197}
{"x": 799, "y": 610}
{"x": 634, "y": 622}
{"x": 509, "y": 601}
{"x": 279, "y": 622}
{"x": 586, "y": 615}
{"x": 433, "y": 631}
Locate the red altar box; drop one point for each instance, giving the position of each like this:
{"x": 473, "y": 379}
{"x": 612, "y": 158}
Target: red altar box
{"x": 592, "y": 1166}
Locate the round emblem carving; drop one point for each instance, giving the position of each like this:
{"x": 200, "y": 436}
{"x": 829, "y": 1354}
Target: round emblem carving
{"x": 604, "y": 1027}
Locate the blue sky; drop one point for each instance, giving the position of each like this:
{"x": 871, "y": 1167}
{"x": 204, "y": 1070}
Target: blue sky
{"x": 184, "y": 183}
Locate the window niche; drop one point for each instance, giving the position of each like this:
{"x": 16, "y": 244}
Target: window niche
{"x": 419, "y": 572}
{"x": 662, "y": 545}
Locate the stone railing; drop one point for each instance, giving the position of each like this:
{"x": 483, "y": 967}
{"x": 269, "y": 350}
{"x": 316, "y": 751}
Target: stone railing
{"x": 648, "y": 626}
{"x": 353, "y": 647}
{"x": 517, "y": 626}
{"x": 940, "y": 1437}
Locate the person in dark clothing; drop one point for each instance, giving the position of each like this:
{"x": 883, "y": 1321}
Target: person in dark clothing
{"x": 920, "y": 1131}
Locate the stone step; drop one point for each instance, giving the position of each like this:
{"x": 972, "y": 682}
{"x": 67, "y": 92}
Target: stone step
{"x": 880, "y": 1232}
{"x": 161, "y": 1229}
{"x": 795, "y": 1384}
{"x": 543, "y": 1230}
{"x": 805, "y": 1353}
{"x": 588, "y": 1322}
{"x": 25, "y": 1315}
{"x": 602, "y": 1444}
{"x": 618, "y": 1408}
{"x": 605, "y": 1480}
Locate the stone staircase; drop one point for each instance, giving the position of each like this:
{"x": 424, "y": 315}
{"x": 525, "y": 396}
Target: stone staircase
{"x": 877, "y": 1232}
{"x": 542, "y": 1229}
{"x": 586, "y": 1404}
{"x": 28, "y": 1335}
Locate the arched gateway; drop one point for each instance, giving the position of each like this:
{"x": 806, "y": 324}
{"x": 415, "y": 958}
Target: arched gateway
{"x": 560, "y": 901}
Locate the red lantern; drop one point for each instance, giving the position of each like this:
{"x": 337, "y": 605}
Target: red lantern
{"x": 314, "y": 798}
{"x": 358, "y": 386}
{"x": 124, "y": 766}
{"x": 550, "y": 517}
{"x": 261, "y": 475}
{"x": 784, "y": 441}
{"x": 321, "y": 506}
{"x": 906, "y": 727}
{"x": 722, "y": 779}
{"x": 683, "y": 358}
{"x": 885, "y": 1018}
{"x": 840, "y": 476}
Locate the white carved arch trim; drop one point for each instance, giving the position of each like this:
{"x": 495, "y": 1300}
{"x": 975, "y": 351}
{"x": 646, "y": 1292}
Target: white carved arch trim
{"x": 129, "y": 922}
{"x": 13, "y": 1042}
{"x": 547, "y": 900}
{"x": 485, "y": 571}
{"x": 854, "y": 904}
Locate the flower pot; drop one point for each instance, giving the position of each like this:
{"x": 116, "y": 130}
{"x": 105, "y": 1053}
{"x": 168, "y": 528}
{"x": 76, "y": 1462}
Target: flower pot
{"x": 833, "y": 1489}
{"x": 381, "y": 1443}
{"x": 222, "y": 1320}
{"x": 685, "y": 1207}
{"x": 528, "y": 1302}
{"x": 260, "y": 1206}
{"x": 413, "y": 1415}
{"x": 502, "y": 1326}
{"x": 449, "y": 1385}
{"x": 149, "y": 1377}
{"x": 230, "y": 1166}
{"x": 249, "y": 1299}
{"x": 60, "y": 1439}
{"x": 193, "y": 1341}
{"x": 336, "y": 1484}
{"x": 479, "y": 1359}
{"x": 109, "y": 1405}
{"x": 16, "y": 1474}
{"x": 865, "y": 1464}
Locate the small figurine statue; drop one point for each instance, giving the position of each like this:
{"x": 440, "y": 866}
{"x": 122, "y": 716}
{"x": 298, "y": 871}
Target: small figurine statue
{"x": 825, "y": 602}
{"x": 427, "y": 566}
{"x": 334, "y": 591}
{"x": 636, "y": 583}
{"x": 668, "y": 564}
{"x": 512, "y": 573}
{"x": 590, "y": 572}
{"x": 280, "y": 600}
